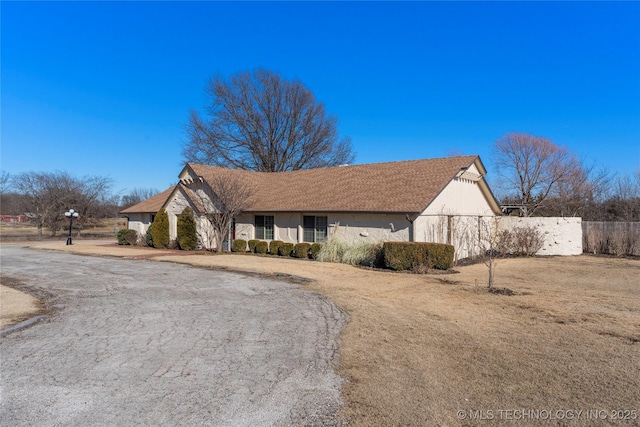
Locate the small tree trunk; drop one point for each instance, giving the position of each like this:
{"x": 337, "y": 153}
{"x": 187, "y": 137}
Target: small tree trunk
{"x": 491, "y": 272}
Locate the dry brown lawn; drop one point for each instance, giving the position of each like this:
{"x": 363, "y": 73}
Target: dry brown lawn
{"x": 421, "y": 348}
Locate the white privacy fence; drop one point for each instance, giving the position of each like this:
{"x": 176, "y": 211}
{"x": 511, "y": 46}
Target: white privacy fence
{"x": 468, "y": 234}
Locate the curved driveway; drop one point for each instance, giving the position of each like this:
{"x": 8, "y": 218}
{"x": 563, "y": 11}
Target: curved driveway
{"x": 152, "y": 343}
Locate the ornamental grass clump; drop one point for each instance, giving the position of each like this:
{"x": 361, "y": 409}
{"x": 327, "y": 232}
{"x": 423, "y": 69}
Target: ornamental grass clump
{"x": 362, "y": 253}
{"x": 332, "y": 250}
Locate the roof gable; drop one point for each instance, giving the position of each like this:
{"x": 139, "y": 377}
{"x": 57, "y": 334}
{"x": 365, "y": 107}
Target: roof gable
{"x": 395, "y": 187}
{"x": 152, "y": 204}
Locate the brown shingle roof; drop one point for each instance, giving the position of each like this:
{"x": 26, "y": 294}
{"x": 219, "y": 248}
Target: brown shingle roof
{"x": 401, "y": 187}
{"x": 152, "y": 204}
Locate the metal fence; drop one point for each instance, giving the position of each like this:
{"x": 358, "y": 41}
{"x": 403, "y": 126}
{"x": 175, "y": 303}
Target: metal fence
{"x": 615, "y": 238}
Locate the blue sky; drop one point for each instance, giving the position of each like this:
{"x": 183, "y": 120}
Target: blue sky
{"x": 105, "y": 88}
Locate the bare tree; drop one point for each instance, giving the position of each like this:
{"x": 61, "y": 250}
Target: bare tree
{"x": 229, "y": 197}
{"x": 5, "y": 182}
{"x": 260, "y": 121}
{"x": 582, "y": 189}
{"x": 136, "y": 196}
{"x": 47, "y": 195}
{"x": 624, "y": 205}
{"x": 530, "y": 167}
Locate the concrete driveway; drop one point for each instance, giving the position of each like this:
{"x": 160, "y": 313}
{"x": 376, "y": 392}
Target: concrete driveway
{"x": 151, "y": 343}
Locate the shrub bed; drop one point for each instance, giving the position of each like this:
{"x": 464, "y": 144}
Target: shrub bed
{"x": 301, "y": 250}
{"x": 261, "y": 247}
{"x": 416, "y": 255}
{"x": 315, "y": 250}
{"x": 274, "y": 245}
{"x": 239, "y": 245}
{"x": 252, "y": 245}
{"x": 285, "y": 249}
{"x": 127, "y": 237}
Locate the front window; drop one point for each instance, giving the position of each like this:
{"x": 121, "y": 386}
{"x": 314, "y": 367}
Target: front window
{"x": 314, "y": 228}
{"x": 264, "y": 227}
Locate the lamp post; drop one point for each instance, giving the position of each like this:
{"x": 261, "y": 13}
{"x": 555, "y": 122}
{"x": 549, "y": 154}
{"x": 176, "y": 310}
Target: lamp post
{"x": 71, "y": 214}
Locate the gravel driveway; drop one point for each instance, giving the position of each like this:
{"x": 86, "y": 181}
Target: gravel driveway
{"x": 152, "y": 343}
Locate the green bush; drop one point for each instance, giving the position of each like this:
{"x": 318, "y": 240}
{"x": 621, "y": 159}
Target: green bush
{"x": 301, "y": 250}
{"x": 149, "y": 236}
{"x": 239, "y": 245}
{"x": 285, "y": 249}
{"x": 414, "y": 255}
{"x": 186, "y": 230}
{"x": 160, "y": 231}
{"x": 440, "y": 255}
{"x": 261, "y": 247}
{"x": 315, "y": 249}
{"x": 274, "y": 245}
{"x": 252, "y": 245}
{"x": 127, "y": 237}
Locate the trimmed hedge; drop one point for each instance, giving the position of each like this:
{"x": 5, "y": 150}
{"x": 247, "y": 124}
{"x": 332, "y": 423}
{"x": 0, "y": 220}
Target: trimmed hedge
{"x": 239, "y": 245}
{"x": 301, "y": 250}
{"x": 410, "y": 255}
{"x": 285, "y": 249}
{"x": 440, "y": 255}
{"x": 187, "y": 238}
{"x": 315, "y": 249}
{"x": 252, "y": 245}
{"x": 127, "y": 237}
{"x": 149, "y": 236}
{"x": 261, "y": 247}
{"x": 274, "y": 245}
{"x": 160, "y": 231}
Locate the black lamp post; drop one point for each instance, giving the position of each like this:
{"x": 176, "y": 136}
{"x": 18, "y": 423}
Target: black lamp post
{"x": 71, "y": 214}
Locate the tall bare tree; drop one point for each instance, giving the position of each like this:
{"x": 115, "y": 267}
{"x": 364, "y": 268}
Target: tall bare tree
{"x": 229, "y": 197}
{"x": 530, "y": 167}
{"x": 260, "y": 121}
{"x": 47, "y": 195}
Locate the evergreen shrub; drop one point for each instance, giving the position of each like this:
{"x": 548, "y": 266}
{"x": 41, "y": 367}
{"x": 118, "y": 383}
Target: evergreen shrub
{"x": 274, "y": 245}
{"x": 252, "y": 245}
{"x": 261, "y": 247}
{"x": 285, "y": 249}
{"x": 160, "y": 231}
{"x": 315, "y": 250}
{"x": 239, "y": 245}
{"x": 186, "y": 230}
{"x": 301, "y": 250}
{"x": 417, "y": 255}
{"x": 127, "y": 237}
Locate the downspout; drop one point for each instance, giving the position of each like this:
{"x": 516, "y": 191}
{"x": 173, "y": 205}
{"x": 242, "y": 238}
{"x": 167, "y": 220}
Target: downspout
{"x": 411, "y": 231}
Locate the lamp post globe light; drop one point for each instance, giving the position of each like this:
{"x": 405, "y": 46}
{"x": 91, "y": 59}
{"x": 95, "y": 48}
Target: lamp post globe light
{"x": 71, "y": 214}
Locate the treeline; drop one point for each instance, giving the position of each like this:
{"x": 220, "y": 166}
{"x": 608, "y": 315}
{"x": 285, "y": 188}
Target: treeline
{"x": 542, "y": 178}
{"x": 45, "y": 196}
{"x": 607, "y": 199}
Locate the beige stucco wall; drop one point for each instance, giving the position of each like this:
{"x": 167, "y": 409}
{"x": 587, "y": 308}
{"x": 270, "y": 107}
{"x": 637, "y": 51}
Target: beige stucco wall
{"x": 455, "y": 216}
{"x": 562, "y": 236}
{"x": 351, "y": 227}
{"x": 139, "y": 222}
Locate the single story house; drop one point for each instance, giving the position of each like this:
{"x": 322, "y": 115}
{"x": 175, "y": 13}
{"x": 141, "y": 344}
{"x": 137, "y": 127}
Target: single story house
{"x": 445, "y": 200}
